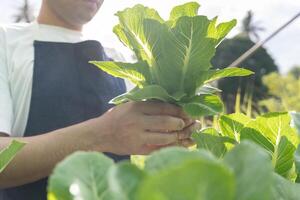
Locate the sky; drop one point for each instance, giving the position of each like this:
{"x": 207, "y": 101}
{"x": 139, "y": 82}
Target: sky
{"x": 270, "y": 14}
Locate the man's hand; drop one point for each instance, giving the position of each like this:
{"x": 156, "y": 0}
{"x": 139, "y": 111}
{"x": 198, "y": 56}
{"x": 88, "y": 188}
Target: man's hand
{"x": 131, "y": 128}
{"x": 141, "y": 127}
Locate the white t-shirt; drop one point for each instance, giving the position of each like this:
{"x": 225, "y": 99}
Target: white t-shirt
{"x": 16, "y": 69}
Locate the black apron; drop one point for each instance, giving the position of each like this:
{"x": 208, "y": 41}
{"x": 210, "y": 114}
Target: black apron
{"x": 66, "y": 90}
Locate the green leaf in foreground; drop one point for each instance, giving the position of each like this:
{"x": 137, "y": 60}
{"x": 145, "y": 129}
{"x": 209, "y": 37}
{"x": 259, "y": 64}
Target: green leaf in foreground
{"x": 7, "y": 154}
{"x": 173, "y": 156}
{"x": 190, "y": 180}
{"x": 124, "y": 180}
{"x": 80, "y": 176}
{"x": 253, "y": 171}
{"x": 284, "y": 189}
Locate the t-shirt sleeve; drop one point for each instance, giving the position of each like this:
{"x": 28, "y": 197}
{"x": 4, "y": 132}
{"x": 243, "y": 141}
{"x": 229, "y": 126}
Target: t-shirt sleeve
{"x": 6, "y": 109}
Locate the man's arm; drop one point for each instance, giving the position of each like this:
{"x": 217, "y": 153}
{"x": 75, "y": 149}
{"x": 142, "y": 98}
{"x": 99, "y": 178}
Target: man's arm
{"x": 41, "y": 153}
{"x": 131, "y": 128}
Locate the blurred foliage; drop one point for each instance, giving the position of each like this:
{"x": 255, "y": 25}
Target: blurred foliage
{"x": 284, "y": 91}
{"x": 295, "y": 71}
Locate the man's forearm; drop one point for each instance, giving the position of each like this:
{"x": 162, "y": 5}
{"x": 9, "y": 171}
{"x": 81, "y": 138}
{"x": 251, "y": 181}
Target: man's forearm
{"x": 41, "y": 153}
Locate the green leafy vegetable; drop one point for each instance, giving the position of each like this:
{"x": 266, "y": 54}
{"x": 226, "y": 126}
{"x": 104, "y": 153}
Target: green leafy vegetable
{"x": 192, "y": 180}
{"x": 172, "y": 157}
{"x": 124, "y": 180}
{"x": 80, "y": 176}
{"x": 173, "y": 57}
{"x": 284, "y": 189}
{"x": 253, "y": 171}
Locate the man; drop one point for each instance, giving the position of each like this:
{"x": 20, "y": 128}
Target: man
{"x": 52, "y": 99}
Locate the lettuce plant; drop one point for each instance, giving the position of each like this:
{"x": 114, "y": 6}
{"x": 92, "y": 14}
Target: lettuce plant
{"x": 173, "y": 57}
{"x": 244, "y": 173}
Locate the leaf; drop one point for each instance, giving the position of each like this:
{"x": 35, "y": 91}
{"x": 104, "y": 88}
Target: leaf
{"x": 7, "y": 154}
{"x": 173, "y": 156}
{"x": 253, "y": 171}
{"x": 190, "y": 180}
{"x": 227, "y": 72}
{"x": 124, "y": 180}
{"x": 191, "y": 51}
{"x": 276, "y": 125}
{"x": 273, "y": 132}
{"x": 137, "y": 73}
{"x": 284, "y": 189}
{"x": 221, "y": 30}
{"x": 203, "y": 105}
{"x": 146, "y": 93}
{"x": 188, "y": 9}
{"x": 80, "y": 176}
{"x": 213, "y": 143}
{"x": 131, "y": 30}
{"x": 283, "y": 159}
{"x": 207, "y": 89}
{"x": 232, "y": 124}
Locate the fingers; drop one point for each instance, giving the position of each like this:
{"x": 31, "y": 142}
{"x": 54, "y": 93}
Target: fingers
{"x": 187, "y": 132}
{"x": 160, "y": 139}
{"x": 162, "y": 123}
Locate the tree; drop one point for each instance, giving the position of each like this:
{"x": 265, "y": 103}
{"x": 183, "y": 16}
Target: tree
{"x": 25, "y": 13}
{"x": 249, "y": 27}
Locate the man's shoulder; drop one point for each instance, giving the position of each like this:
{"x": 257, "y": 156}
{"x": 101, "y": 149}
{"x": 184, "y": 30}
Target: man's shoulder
{"x": 15, "y": 30}
{"x": 15, "y": 27}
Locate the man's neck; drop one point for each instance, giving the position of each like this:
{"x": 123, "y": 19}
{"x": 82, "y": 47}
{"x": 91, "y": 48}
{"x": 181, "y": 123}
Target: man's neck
{"x": 46, "y": 16}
